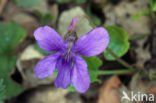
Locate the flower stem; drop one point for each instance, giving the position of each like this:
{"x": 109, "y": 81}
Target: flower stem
{"x": 109, "y": 72}
{"x": 139, "y": 36}
{"x": 120, "y": 60}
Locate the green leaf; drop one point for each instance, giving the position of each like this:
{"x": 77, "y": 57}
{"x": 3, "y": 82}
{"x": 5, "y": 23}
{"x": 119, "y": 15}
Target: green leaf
{"x": 154, "y": 8}
{"x": 11, "y": 34}
{"x": 151, "y": 3}
{"x": 93, "y": 67}
{"x": 81, "y": 1}
{"x": 71, "y": 88}
{"x": 7, "y": 63}
{"x": 2, "y": 91}
{"x": 63, "y": 1}
{"x": 28, "y": 3}
{"x": 55, "y": 73}
{"x": 141, "y": 13}
{"x": 44, "y": 18}
{"x": 118, "y": 43}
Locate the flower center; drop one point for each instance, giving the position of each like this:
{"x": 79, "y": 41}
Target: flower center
{"x": 70, "y": 40}
{"x": 67, "y": 56}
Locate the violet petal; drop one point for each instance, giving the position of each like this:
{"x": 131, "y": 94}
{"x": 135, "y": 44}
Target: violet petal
{"x": 80, "y": 75}
{"x": 48, "y": 39}
{"x": 46, "y": 66}
{"x": 92, "y": 43}
{"x": 63, "y": 78}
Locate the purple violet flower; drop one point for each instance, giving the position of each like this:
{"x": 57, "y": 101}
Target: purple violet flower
{"x": 71, "y": 67}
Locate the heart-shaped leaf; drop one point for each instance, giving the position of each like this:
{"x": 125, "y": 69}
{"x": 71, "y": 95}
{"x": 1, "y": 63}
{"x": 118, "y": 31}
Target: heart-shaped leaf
{"x": 11, "y": 34}
{"x": 119, "y": 43}
{"x": 12, "y": 89}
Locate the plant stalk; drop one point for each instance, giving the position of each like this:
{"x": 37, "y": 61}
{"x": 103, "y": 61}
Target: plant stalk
{"x": 120, "y": 60}
{"x": 110, "y": 72}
